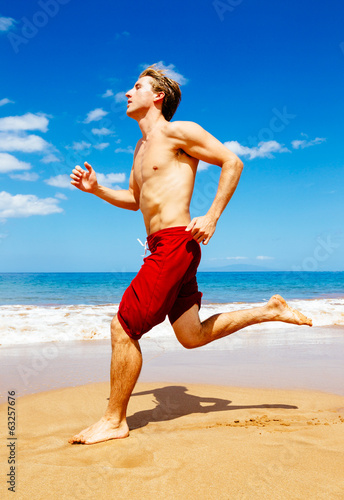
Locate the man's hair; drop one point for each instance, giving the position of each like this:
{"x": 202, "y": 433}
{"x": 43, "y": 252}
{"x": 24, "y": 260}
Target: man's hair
{"x": 161, "y": 83}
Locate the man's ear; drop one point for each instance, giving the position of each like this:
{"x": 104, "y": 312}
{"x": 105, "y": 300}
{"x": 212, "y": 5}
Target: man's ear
{"x": 159, "y": 96}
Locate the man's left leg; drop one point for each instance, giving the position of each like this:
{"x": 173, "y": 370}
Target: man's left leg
{"x": 191, "y": 332}
{"x": 126, "y": 363}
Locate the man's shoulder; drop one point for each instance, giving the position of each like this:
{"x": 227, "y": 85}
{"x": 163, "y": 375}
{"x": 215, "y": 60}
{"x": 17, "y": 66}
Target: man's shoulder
{"x": 182, "y": 129}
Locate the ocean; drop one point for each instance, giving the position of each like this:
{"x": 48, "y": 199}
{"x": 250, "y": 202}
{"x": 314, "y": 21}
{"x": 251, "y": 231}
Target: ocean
{"x": 45, "y": 307}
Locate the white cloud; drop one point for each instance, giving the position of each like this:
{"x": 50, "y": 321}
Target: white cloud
{"x": 21, "y": 205}
{"x": 26, "y": 176}
{"x": 22, "y": 142}
{"x": 120, "y": 97}
{"x": 29, "y": 121}
{"x": 102, "y": 145}
{"x": 50, "y": 159}
{"x": 8, "y": 163}
{"x": 80, "y": 146}
{"x": 61, "y": 196}
{"x": 5, "y": 101}
{"x": 108, "y": 180}
{"x": 6, "y": 23}
{"x": 202, "y": 166}
{"x": 108, "y": 93}
{"x": 95, "y": 115}
{"x": 264, "y": 257}
{"x": 236, "y": 258}
{"x": 129, "y": 150}
{"x": 61, "y": 181}
{"x": 170, "y": 72}
{"x": 3, "y": 236}
{"x": 102, "y": 131}
{"x": 305, "y": 144}
{"x": 263, "y": 150}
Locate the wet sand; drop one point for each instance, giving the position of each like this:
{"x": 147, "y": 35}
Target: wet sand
{"x": 299, "y": 358}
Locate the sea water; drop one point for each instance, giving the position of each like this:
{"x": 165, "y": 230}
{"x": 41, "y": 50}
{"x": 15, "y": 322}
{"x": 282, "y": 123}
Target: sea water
{"x": 45, "y": 307}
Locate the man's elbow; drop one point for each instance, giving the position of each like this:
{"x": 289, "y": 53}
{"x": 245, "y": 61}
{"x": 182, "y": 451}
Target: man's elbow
{"x": 238, "y": 165}
{"x": 235, "y": 163}
{"x": 135, "y": 207}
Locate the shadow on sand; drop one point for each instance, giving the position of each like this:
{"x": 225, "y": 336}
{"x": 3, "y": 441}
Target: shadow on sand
{"x": 174, "y": 402}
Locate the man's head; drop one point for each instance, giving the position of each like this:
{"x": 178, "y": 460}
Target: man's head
{"x": 154, "y": 87}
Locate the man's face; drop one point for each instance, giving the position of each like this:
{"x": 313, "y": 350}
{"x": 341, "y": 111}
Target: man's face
{"x": 140, "y": 97}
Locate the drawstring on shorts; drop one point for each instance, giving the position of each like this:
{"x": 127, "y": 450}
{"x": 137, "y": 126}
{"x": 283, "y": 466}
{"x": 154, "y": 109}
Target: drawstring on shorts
{"x": 145, "y": 246}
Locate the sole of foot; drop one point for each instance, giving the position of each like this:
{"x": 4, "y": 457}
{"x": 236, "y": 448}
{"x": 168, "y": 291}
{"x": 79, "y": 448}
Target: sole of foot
{"x": 285, "y": 313}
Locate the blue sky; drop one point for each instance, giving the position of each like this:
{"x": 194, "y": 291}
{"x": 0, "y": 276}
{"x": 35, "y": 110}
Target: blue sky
{"x": 266, "y": 78}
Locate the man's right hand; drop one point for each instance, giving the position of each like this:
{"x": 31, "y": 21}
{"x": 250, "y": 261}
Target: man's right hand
{"x": 85, "y": 180}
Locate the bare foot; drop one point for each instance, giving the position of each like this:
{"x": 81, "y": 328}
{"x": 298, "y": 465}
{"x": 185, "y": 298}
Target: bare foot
{"x": 283, "y": 312}
{"x": 103, "y": 430}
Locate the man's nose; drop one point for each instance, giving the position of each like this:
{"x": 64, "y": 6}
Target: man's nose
{"x": 128, "y": 94}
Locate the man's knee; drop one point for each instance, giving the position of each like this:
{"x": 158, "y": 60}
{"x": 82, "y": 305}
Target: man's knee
{"x": 188, "y": 338}
{"x": 188, "y": 328}
{"x": 118, "y": 334}
{"x": 188, "y": 343}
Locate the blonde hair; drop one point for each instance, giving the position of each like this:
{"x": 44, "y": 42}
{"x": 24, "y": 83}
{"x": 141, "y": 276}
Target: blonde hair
{"x": 161, "y": 83}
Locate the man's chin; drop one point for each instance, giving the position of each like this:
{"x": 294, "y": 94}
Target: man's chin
{"x": 131, "y": 114}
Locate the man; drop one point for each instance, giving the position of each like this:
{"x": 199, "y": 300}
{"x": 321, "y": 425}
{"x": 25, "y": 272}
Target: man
{"x": 161, "y": 185}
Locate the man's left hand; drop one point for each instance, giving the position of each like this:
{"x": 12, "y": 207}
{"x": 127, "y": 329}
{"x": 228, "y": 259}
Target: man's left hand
{"x": 202, "y": 228}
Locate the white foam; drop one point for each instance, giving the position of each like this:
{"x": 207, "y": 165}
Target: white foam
{"x": 24, "y": 324}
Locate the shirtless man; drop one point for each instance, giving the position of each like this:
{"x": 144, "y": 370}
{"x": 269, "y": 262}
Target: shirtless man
{"x": 161, "y": 185}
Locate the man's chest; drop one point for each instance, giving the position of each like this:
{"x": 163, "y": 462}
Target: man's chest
{"x": 153, "y": 159}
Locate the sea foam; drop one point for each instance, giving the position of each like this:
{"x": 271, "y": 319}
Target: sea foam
{"x": 27, "y": 324}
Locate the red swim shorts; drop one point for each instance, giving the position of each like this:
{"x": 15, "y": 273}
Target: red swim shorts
{"x": 165, "y": 285}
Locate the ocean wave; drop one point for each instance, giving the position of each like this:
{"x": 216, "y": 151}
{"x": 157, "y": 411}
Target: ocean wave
{"x": 29, "y": 324}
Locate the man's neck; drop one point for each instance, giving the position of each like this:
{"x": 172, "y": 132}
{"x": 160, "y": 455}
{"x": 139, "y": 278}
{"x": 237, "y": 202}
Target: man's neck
{"x": 149, "y": 122}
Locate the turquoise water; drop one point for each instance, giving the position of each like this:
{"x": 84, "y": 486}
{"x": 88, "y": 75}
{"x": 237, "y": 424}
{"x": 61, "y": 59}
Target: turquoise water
{"x": 221, "y": 287}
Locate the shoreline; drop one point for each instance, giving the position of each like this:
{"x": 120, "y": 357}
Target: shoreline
{"x": 276, "y": 360}
{"x": 33, "y": 324}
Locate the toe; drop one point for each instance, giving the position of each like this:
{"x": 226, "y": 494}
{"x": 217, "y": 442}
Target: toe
{"x": 75, "y": 439}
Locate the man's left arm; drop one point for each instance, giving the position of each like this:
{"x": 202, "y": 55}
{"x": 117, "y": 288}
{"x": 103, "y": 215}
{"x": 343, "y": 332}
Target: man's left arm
{"x": 197, "y": 142}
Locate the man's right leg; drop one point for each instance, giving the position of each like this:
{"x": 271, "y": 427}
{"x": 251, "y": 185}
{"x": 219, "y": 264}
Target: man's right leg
{"x": 191, "y": 332}
{"x": 126, "y": 365}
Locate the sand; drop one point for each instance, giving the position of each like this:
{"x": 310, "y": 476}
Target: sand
{"x": 253, "y": 418}
{"x": 186, "y": 442}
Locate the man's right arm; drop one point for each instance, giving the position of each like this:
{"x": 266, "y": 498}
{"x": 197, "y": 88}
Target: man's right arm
{"x": 86, "y": 180}
{"x": 121, "y": 198}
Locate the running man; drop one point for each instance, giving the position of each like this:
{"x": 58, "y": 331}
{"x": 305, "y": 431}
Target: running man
{"x": 161, "y": 185}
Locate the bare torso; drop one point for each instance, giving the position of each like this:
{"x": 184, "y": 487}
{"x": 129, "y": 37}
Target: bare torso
{"x": 164, "y": 177}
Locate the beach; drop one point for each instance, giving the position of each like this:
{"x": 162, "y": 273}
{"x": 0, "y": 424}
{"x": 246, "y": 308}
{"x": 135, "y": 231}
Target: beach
{"x": 293, "y": 358}
{"x": 187, "y": 441}
{"x": 256, "y": 415}
{"x": 261, "y": 417}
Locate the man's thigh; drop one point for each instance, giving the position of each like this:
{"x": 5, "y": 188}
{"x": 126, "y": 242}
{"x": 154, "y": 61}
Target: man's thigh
{"x": 154, "y": 291}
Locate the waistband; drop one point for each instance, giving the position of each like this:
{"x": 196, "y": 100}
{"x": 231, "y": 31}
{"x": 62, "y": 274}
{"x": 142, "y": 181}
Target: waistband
{"x": 166, "y": 232}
